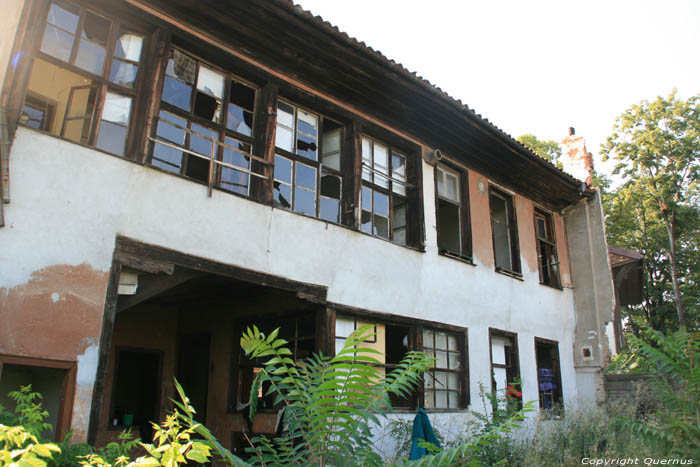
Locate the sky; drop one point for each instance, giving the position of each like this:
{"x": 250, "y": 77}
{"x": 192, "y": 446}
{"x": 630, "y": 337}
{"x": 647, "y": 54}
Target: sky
{"x": 539, "y": 66}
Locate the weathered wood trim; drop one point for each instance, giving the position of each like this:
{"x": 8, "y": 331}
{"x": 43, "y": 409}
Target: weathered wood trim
{"x": 264, "y": 130}
{"x": 351, "y": 169}
{"x": 144, "y": 265}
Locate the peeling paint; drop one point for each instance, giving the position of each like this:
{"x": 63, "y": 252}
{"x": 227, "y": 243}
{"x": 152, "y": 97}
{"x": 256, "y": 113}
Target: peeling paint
{"x": 55, "y": 296}
{"x": 87, "y": 365}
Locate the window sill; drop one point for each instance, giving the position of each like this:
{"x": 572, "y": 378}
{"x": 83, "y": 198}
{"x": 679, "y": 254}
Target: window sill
{"x": 458, "y": 257}
{"x": 509, "y": 273}
{"x": 555, "y": 287}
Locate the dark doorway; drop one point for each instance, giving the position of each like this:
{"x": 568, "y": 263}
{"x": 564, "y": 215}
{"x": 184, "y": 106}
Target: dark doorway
{"x": 193, "y": 371}
{"x": 548, "y": 375}
{"x": 135, "y": 400}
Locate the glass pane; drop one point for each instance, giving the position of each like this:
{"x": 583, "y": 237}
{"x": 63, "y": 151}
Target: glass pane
{"x": 381, "y": 158}
{"x": 177, "y": 93}
{"x": 440, "y": 340}
{"x": 366, "y": 198}
{"x": 64, "y": 18}
{"x": 239, "y": 120}
{"x": 381, "y": 226}
{"x": 181, "y": 66}
{"x": 541, "y": 228}
{"x": 449, "y": 227}
{"x": 234, "y": 180}
{"x": 117, "y": 108}
{"x": 307, "y": 123}
{"x": 285, "y": 115}
{"x": 91, "y": 57}
{"x": 123, "y": 73}
{"x": 202, "y": 144}
{"x": 455, "y": 360}
{"x": 78, "y": 131}
{"x": 283, "y": 169}
{"x": 36, "y": 117}
{"x": 453, "y": 380}
{"x": 95, "y": 29}
{"x": 441, "y": 359}
{"x": 170, "y": 132}
{"x": 128, "y": 47}
{"x": 381, "y": 204}
{"x": 305, "y": 201}
{"x": 207, "y": 107}
{"x": 282, "y": 195}
{"x": 428, "y": 380}
{"x": 398, "y": 171}
{"x": 381, "y": 180}
{"x": 440, "y": 379}
{"x": 329, "y": 210}
{"x": 452, "y": 342}
{"x": 167, "y": 158}
{"x": 305, "y": 176}
{"x": 57, "y": 43}
{"x": 339, "y": 343}
{"x": 441, "y": 400}
{"x": 429, "y": 402}
{"x": 331, "y": 149}
{"x": 237, "y": 157}
{"x": 284, "y": 138}
{"x": 112, "y": 137}
{"x": 344, "y": 326}
{"x": 367, "y": 151}
{"x": 399, "y": 212}
{"x": 307, "y": 146}
{"x": 428, "y": 338}
{"x": 366, "y": 221}
{"x": 242, "y": 96}
{"x": 453, "y": 399}
{"x": 330, "y": 186}
{"x": 452, "y": 187}
{"x": 210, "y": 82}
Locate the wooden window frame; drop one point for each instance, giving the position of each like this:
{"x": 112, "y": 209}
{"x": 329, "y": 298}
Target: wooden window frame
{"x": 317, "y": 164}
{"x": 68, "y": 388}
{"x": 549, "y": 245}
{"x": 514, "y": 366}
{"x": 416, "y": 328}
{"x": 464, "y": 211}
{"x": 558, "y": 396}
{"x": 101, "y": 82}
{"x": 512, "y": 228}
{"x": 219, "y": 144}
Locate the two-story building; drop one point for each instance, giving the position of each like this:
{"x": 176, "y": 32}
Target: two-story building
{"x": 173, "y": 171}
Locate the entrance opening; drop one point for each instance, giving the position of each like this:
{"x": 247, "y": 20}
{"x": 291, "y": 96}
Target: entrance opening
{"x": 548, "y": 375}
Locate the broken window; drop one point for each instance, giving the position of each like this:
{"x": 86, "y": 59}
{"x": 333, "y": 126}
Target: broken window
{"x": 307, "y": 163}
{"x": 505, "y": 233}
{"x": 505, "y": 375}
{"x": 205, "y": 124}
{"x": 83, "y": 80}
{"x": 547, "y": 261}
{"x": 384, "y": 185}
{"x": 452, "y": 213}
{"x": 548, "y": 375}
{"x": 444, "y": 385}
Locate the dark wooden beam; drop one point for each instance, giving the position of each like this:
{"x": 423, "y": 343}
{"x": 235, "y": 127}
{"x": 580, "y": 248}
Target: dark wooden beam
{"x": 152, "y": 285}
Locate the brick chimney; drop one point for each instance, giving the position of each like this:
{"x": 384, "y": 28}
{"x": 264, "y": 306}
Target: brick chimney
{"x": 576, "y": 159}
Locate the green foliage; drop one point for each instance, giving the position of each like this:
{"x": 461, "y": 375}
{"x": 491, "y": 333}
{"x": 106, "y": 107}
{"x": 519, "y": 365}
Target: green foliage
{"x": 29, "y": 412}
{"x": 329, "y": 403}
{"x": 20, "y": 447}
{"x": 677, "y": 386}
{"x": 657, "y": 210}
{"x": 546, "y": 149}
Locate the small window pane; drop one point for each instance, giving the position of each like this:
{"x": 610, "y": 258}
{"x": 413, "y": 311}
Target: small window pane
{"x": 57, "y": 43}
{"x": 305, "y": 201}
{"x": 429, "y": 402}
{"x": 210, "y": 82}
{"x": 285, "y": 115}
{"x": 344, "y": 326}
{"x": 166, "y": 158}
{"x": 202, "y": 144}
{"x": 235, "y": 180}
{"x": 112, "y": 138}
{"x": 381, "y": 204}
{"x": 117, "y": 108}
{"x": 95, "y": 29}
{"x": 306, "y": 146}
{"x": 128, "y": 47}
{"x": 330, "y": 186}
{"x": 284, "y": 138}
{"x": 329, "y": 209}
{"x": 452, "y": 187}
{"x": 452, "y": 342}
{"x": 428, "y": 338}
{"x": 64, "y": 18}
{"x": 367, "y": 151}
{"x": 366, "y": 221}
{"x": 307, "y": 123}
{"x": 453, "y": 399}
{"x": 91, "y": 57}
{"x": 239, "y": 120}
{"x": 283, "y": 169}
{"x": 455, "y": 361}
{"x": 207, "y": 106}
{"x": 242, "y": 96}
{"x": 440, "y": 340}
{"x": 169, "y": 132}
{"x": 441, "y": 359}
{"x": 366, "y": 199}
{"x": 440, "y": 379}
{"x": 123, "y": 73}
{"x": 331, "y": 149}
{"x": 381, "y": 226}
{"x": 177, "y": 93}
{"x": 381, "y": 158}
{"x": 305, "y": 176}
{"x": 441, "y": 400}
{"x": 181, "y": 66}
{"x": 282, "y": 195}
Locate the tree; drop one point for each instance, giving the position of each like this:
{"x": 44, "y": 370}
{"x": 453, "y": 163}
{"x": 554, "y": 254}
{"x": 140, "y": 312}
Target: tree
{"x": 547, "y": 149}
{"x": 657, "y": 145}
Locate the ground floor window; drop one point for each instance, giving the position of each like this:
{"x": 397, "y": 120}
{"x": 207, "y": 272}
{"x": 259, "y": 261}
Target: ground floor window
{"x": 505, "y": 371}
{"x": 444, "y": 385}
{"x": 548, "y": 374}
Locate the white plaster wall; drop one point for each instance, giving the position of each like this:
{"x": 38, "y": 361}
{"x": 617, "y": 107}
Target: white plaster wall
{"x": 69, "y": 203}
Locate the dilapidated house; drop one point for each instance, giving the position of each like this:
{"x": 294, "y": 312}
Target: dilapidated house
{"x": 173, "y": 171}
